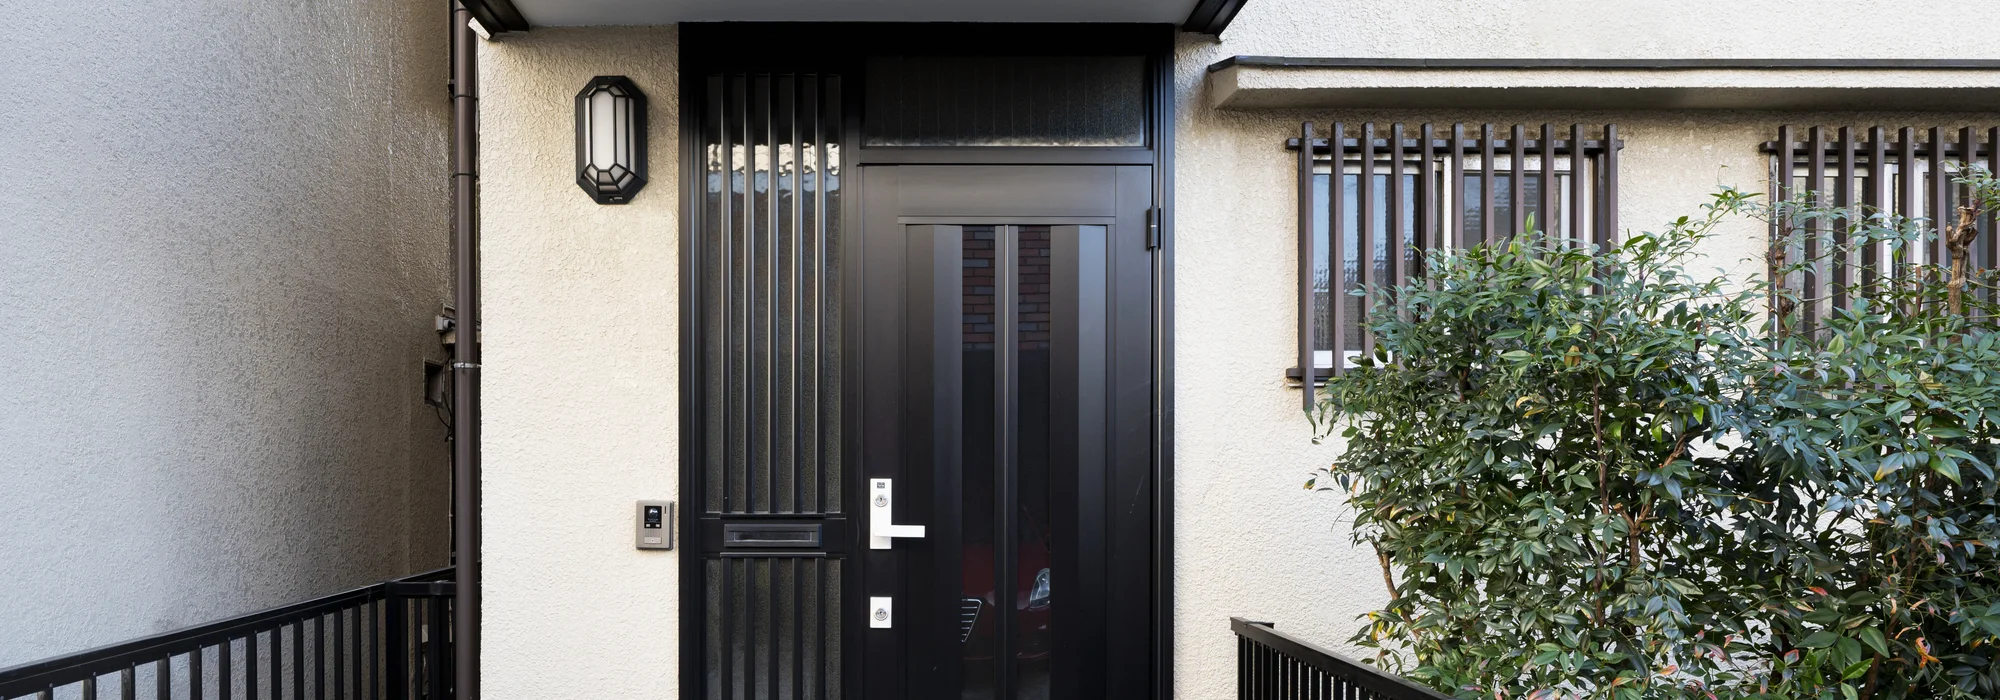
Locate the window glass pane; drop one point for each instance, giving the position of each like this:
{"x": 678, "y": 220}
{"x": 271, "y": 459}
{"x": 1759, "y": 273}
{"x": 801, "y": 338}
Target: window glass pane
{"x": 1410, "y": 253}
{"x": 1503, "y": 204}
{"x": 1005, "y": 101}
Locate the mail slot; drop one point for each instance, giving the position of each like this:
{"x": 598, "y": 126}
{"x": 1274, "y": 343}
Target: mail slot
{"x": 791, "y": 535}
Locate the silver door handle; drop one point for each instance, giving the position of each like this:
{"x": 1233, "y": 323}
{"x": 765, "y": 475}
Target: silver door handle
{"x": 880, "y": 532}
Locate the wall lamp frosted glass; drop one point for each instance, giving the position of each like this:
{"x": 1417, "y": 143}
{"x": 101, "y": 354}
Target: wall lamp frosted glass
{"x": 611, "y": 139}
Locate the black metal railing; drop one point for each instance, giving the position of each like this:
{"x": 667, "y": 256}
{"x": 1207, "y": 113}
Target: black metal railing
{"x": 1275, "y": 666}
{"x": 390, "y": 639}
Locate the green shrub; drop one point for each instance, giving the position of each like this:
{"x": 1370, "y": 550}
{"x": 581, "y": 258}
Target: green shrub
{"x": 1593, "y": 474}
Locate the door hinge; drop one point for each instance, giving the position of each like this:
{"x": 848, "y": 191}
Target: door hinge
{"x": 1153, "y": 228}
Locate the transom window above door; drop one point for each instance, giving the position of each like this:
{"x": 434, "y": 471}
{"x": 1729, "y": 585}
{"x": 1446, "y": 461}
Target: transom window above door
{"x": 1404, "y": 191}
{"x": 949, "y": 101}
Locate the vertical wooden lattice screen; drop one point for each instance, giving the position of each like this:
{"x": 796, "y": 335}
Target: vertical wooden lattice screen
{"x": 768, "y": 502}
{"x": 1905, "y": 173}
{"x": 1402, "y": 192}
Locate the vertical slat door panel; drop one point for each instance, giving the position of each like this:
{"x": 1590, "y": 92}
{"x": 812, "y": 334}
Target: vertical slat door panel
{"x": 769, "y": 308}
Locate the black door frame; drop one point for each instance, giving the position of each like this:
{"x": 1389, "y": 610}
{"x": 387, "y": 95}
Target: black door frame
{"x": 841, "y": 48}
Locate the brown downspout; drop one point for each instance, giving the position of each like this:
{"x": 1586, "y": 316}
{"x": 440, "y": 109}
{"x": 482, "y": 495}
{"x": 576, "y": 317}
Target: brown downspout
{"x": 465, "y": 360}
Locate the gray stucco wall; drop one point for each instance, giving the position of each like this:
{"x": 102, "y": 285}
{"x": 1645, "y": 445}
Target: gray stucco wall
{"x": 223, "y": 236}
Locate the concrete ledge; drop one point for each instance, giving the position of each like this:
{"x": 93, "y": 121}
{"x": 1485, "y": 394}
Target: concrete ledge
{"x": 1265, "y": 82}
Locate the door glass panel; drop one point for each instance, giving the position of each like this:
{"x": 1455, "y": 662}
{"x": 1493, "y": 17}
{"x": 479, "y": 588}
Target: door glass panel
{"x": 978, "y": 615}
{"x": 1034, "y": 542}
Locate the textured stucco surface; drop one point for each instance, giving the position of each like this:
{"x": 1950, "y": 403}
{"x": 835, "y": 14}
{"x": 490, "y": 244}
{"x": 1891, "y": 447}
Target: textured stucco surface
{"x": 581, "y": 367}
{"x": 1243, "y": 450}
{"x": 225, "y": 235}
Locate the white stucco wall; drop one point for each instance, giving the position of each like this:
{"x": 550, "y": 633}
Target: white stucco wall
{"x": 223, "y": 237}
{"x": 1243, "y": 451}
{"x": 581, "y": 376}
{"x": 1606, "y": 29}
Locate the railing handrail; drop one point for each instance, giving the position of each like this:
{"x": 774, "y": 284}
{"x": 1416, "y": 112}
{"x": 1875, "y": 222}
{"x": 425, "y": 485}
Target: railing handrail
{"x": 115, "y": 657}
{"x": 1368, "y": 677}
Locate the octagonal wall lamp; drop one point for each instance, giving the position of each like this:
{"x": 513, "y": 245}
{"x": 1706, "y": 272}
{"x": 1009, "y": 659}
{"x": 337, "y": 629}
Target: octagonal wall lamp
{"x": 611, "y": 139}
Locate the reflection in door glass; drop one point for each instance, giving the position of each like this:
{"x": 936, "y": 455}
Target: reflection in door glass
{"x": 1032, "y": 550}
{"x": 977, "y": 616}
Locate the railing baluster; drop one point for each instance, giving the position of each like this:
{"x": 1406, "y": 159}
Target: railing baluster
{"x": 250, "y": 666}
{"x": 298, "y": 659}
{"x": 374, "y": 649}
{"x": 339, "y": 654}
{"x": 397, "y": 653}
{"x": 1336, "y": 254}
{"x": 225, "y": 676}
{"x": 319, "y": 657}
{"x": 163, "y": 678}
{"x": 90, "y": 687}
{"x": 194, "y": 674}
{"x": 1242, "y": 669}
{"x": 127, "y": 679}
{"x": 436, "y": 637}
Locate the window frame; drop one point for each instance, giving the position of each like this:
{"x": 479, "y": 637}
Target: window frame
{"x": 1446, "y": 162}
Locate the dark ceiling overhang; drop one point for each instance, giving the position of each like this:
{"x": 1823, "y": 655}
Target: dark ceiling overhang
{"x": 496, "y": 15}
{"x": 1205, "y": 17}
{"x": 1211, "y": 16}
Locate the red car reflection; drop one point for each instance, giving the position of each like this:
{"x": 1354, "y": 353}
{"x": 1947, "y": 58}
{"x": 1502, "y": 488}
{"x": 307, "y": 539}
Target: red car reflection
{"x": 1031, "y": 603}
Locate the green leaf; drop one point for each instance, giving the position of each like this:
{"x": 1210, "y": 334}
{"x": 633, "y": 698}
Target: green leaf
{"x": 1874, "y": 639}
{"x": 1945, "y": 467}
{"x": 1820, "y": 640}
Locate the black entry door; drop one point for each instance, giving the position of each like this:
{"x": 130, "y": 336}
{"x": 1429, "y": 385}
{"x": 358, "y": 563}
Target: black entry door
{"x": 1005, "y": 407}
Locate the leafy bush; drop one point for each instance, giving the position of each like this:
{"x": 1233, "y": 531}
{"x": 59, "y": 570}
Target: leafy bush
{"x": 1592, "y": 474}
